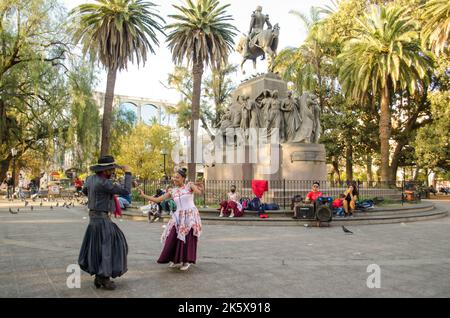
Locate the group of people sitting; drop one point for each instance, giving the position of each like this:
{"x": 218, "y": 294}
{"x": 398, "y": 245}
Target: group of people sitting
{"x": 155, "y": 210}
{"x": 344, "y": 205}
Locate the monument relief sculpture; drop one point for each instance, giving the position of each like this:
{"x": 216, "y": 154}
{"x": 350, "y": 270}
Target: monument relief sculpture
{"x": 307, "y": 120}
{"x": 245, "y": 117}
{"x": 236, "y": 112}
{"x": 275, "y": 116}
{"x": 292, "y": 120}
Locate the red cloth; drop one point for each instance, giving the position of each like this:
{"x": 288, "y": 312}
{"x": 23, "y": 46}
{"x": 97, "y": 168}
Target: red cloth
{"x": 337, "y": 203}
{"x": 312, "y": 196}
{"x": 118, "y": 211}
{"x": 259, "y": 187}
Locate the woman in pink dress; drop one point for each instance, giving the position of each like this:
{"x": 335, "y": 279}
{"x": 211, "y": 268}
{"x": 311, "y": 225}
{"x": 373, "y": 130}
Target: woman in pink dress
{"x": 181, "y": 234}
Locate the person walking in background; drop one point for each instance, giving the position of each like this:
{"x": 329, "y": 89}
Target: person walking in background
{"x": 181, "y": 234}
{"x": 104, "y": 249}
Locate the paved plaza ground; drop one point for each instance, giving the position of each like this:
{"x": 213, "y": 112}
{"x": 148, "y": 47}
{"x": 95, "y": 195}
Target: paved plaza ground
{"x": 233, "y": 261}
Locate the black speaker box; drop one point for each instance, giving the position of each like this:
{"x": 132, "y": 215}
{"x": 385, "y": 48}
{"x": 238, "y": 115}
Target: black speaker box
{"x": 304, "y": 211}
{"x": 324, "y": 213}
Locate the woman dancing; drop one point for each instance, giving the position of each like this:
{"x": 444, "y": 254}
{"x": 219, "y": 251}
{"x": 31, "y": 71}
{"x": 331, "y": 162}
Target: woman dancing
{"x": 184, "y": 228}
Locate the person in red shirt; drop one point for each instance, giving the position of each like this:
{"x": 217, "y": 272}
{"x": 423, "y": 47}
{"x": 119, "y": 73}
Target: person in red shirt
{"x": 337, "y": 203}
{"x": 78, "y": 184}
{"x": 314, "y": 193}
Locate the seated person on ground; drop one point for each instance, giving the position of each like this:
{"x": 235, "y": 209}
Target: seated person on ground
{"x": 314, "y": 194}
{"x": 168, "y": 205}
{"x": 338, "y": 205}
{"x": 232, "y": 203}
{"x": 349, "y": 203}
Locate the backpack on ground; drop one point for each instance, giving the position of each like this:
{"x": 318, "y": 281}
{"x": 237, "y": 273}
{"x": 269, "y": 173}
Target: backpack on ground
{"x": 254, "y": 204}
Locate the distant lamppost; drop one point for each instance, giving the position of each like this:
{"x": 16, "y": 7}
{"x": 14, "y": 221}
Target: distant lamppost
{"x": 14, "y": 154}
{"x": 164, "y": 152}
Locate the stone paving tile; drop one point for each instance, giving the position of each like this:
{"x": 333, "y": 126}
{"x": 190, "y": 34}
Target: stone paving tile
{"x": 233, "y": 261}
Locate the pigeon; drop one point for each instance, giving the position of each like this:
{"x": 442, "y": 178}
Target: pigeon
{"x": 346, "y": 230}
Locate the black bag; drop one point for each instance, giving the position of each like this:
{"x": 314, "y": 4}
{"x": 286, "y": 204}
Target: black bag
{"x": 255, "y": 204}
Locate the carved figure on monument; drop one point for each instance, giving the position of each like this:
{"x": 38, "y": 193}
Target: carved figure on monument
{"x": 292, "y": 120}
{"x": 245, "y": 117}
{"x": 275, "y": 116}
{"x": 264, "y": 109}
{"x": 259, "y": 42}
{"x": 257, "y": 22}
{"x": 225, "y": 121}
{"x": 317, "y": 129}
{"x": 236, "y": 112}
{"x": 307, "y": 120}
{"x": 254, "y": 113}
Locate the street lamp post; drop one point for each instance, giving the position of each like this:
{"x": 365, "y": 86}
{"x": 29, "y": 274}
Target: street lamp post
{"x": 164, "y": 152}
{"x": 14, "y": 154}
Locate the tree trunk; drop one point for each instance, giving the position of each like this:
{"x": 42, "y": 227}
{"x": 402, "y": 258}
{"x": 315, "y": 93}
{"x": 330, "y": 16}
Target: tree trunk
{"x": 349, "y": 162}
{"x": 197, "y": 72}
{"x": 336, "y": 169}
{"x": 385, "y": 134}
{"x": 107, "y": 112}
{"x": 369, "y": 169}
{"x": 4, "y": 166}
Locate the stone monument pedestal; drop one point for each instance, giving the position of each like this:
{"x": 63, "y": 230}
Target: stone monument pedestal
{"x": 290, "y": 161}
{"x": 256, "y": 160}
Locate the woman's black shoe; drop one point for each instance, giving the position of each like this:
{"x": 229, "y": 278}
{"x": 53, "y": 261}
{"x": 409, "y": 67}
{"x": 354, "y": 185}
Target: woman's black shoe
{"x": 104, "y": 282}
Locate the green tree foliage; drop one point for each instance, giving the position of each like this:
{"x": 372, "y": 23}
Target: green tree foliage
{"x": 141, "y": 150}
{"x": 41, "y": 83}
{"x": 115, "y": 32}
{"x": 432, "y": 142}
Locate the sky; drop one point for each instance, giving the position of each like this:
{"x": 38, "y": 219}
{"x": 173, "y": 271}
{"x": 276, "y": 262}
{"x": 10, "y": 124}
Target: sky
{"x": 145, "y": 81}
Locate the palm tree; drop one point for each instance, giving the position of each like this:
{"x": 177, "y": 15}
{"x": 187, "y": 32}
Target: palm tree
{"x": 201, "y": 35}
{"x": 383, "y": 55}
{"x": 115, "y": 32}
{"x": 436, "y": 30}
{"x": 304, "y": 65}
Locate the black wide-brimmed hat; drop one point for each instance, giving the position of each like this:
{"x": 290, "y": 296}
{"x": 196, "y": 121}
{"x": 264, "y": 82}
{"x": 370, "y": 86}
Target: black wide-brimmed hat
{"x": 104, "y": 163}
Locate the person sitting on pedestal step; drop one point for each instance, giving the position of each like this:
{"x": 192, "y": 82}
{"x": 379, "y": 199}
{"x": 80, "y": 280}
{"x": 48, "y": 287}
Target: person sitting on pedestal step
{"x": 349, "y": 203}
{"x": 232, "y": 204}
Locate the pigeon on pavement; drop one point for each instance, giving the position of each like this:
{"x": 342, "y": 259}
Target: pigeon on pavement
{"x": 347, "y": 231}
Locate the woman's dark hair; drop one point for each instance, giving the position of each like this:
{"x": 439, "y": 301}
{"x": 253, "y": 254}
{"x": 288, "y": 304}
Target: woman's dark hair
{"x": 182, "y": 172}
{"x": 233, "y": 186}
{"x": 316, "y": 182}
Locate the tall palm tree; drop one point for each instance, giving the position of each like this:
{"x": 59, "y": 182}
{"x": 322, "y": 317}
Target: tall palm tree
{"x": 304, "y": 65}
{"x": 383, "y": 55}
{"x": 202, "y": 35}
{"x": 115, "y": 32}
{"x": 437, "y": 24}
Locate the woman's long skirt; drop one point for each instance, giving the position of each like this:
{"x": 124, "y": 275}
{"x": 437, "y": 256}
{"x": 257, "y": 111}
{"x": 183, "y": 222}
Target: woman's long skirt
{"x": 177, "y": 251}
{"x": 104, "y": 249}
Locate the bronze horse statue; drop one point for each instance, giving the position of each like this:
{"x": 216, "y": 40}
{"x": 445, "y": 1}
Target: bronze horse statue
{"x": 266, "y": 43}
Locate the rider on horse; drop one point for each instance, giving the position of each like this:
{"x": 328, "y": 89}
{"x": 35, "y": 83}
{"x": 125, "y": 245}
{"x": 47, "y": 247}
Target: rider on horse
{"x": 256, "y": 26}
